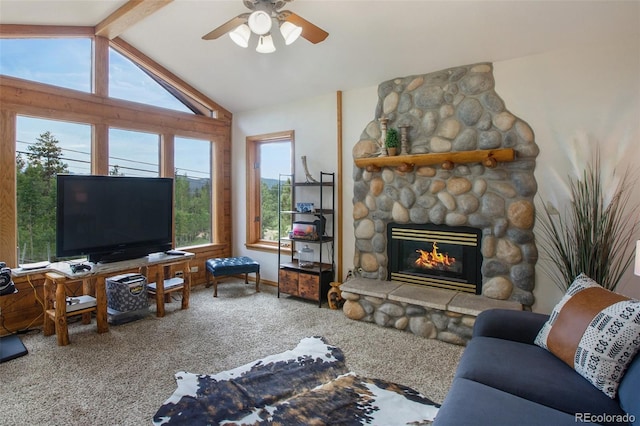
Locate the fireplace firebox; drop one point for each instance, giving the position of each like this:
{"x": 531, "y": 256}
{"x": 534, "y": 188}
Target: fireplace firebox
{"x": 435, "y": 255}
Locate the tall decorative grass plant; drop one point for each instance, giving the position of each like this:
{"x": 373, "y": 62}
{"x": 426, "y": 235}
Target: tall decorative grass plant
{"x": 594, "y": 235}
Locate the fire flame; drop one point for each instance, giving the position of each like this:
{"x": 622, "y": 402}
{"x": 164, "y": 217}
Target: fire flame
{"x": 432, "y": 259}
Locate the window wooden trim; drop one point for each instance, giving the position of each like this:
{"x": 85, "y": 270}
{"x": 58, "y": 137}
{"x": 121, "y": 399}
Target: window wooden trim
{"x": 253, "y": 239}
{"x": 8, "y": 185}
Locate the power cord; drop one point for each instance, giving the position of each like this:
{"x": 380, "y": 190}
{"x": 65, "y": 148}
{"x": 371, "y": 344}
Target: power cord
{"x": 28, "y": 329}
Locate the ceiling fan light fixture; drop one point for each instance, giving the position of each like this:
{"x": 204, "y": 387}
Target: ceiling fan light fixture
{"x": 265, "y": 44}
{"x": 290, "y": 32}
{"x": 266, "y": 15}
{"x": 260, "y": 22}
{"x": 241, "y": 35}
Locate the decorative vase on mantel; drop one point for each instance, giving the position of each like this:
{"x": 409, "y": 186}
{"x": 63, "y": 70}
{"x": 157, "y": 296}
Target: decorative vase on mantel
{"x": 404, "y": 143}
{"x": 383, "y": 138}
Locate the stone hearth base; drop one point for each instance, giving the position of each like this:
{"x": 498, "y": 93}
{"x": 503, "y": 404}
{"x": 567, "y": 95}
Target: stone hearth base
{"x": 428, "y": 312}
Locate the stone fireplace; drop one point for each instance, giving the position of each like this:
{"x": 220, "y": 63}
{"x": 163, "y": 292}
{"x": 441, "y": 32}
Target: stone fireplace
{"x": 468, "y": 163}
{"x": 438, "y": 256}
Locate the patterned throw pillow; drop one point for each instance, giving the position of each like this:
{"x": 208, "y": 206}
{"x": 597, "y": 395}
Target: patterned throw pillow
{"x": 595, "y": 331}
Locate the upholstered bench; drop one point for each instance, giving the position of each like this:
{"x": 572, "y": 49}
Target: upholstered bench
{"x": 231, "y": 266}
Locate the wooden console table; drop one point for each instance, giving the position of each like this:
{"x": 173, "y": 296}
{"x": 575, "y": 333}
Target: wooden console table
{"x": 58, "y": 275}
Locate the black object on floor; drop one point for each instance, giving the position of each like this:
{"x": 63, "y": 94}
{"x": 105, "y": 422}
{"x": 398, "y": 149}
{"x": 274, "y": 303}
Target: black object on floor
{"x": 11, "y": 347}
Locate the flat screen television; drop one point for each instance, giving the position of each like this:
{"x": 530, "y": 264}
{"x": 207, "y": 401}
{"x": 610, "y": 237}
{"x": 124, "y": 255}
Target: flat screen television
{"x": 113, "y": 218}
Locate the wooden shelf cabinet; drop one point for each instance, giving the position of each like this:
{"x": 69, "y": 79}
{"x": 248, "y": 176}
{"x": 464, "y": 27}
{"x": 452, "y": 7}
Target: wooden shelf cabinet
{"x": 307, "y": 285}
{"x": 311, "y": 283}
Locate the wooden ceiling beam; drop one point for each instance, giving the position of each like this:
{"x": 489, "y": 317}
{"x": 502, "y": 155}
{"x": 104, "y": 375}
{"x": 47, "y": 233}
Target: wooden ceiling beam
{"x": 43, "y": 31}
{"x": 126, "y": 16}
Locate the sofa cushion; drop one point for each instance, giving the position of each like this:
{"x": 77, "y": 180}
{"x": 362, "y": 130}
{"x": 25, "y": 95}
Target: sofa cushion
{"x": 628, "y": 393}
{"x": 532, "y": 373}
{"x": 519, "y": 326}
{"x": 595, "y": 331}
{"x": 471, "y": 403}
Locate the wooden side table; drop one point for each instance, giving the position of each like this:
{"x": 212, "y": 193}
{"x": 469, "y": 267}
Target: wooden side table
{"x": 161, "y": 294}
{"x": 55, "y": 314}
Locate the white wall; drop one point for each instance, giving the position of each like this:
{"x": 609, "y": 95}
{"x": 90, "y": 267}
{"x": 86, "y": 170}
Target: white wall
{"x": 572, "y": 100}
{"x": 576, "y": 100}
{"x": 315, "y": 125}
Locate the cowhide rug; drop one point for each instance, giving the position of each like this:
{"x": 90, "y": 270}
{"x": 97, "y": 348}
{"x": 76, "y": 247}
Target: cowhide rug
{"x": 309, "y": 385}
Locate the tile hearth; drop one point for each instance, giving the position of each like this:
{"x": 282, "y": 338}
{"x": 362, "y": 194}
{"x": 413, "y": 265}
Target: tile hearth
{"x": 433, "y": 313}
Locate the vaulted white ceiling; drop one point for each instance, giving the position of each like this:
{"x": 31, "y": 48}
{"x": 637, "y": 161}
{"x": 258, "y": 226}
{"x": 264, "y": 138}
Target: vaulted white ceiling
{"x": 369, "y": 41}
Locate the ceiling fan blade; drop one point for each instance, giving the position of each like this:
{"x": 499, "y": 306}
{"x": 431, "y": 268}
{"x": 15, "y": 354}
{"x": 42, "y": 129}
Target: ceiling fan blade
{"x": 230, "y": 25}
{"x": 310, "y": 31}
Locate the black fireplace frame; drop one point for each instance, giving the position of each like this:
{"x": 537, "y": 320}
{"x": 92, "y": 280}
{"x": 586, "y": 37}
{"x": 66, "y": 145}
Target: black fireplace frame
{"x": 470, "y": 281}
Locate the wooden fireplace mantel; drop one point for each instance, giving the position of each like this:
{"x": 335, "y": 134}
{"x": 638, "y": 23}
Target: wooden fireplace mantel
{"x": 488, "y": 157}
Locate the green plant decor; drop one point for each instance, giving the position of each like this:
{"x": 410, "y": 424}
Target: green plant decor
{"x": 591, "y": 237}
{"x": 391, "y": 140}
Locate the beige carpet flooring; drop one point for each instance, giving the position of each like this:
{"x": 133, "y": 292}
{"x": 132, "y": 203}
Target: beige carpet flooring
{"x": 123, "y": 376}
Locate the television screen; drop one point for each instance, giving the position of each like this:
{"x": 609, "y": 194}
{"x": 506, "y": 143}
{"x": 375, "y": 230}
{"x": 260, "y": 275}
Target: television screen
{"x": 110, "y": 218}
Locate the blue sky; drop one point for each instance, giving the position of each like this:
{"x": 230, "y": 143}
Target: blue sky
{"x": 275, "y": 159}
{"x": 50, "y": 61}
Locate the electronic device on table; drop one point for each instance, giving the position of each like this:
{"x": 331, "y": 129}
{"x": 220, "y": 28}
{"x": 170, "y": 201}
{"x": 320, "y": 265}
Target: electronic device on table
{"x": 34, "y": 265}
{"x": 79, "y": 267}
{"x": 77, "y": 303}
{"x": 113, "y": 218}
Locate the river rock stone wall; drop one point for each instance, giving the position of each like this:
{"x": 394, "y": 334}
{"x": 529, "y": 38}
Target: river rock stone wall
{"x": 452, "y": 110}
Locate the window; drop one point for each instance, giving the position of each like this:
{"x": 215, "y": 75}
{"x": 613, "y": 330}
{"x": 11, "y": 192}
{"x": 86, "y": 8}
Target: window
{"x": 48, "y": 143}
{"x": 192, "y": 160}
{"x": 268, "y": 156}
{"x": 127, "y": 81}
{"x": 64, "y": 62}
{"x": 134, "y": 153}
{"x": 44, "y": 149}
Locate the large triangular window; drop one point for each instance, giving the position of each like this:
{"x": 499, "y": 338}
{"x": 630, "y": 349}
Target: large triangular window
{"x": 129, "y": 82}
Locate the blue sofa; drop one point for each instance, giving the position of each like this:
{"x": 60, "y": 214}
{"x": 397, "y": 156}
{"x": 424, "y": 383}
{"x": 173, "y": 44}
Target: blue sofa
{"x": 505, "y": 379}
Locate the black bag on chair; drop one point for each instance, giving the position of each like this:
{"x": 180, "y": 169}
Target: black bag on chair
{"x": 6, "y": 283}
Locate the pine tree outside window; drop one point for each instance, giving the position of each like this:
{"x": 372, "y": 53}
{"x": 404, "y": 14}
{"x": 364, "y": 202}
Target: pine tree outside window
{"x": 193, "y": 175}
{"x": 40, "y": 158}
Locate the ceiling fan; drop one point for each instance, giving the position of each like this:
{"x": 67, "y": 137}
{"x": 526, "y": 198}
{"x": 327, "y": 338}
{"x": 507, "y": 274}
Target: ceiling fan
{"x": 260, "y": 21}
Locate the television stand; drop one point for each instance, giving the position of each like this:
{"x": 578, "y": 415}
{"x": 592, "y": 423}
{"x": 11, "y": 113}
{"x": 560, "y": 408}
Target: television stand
{"x": 59, "y": 274}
